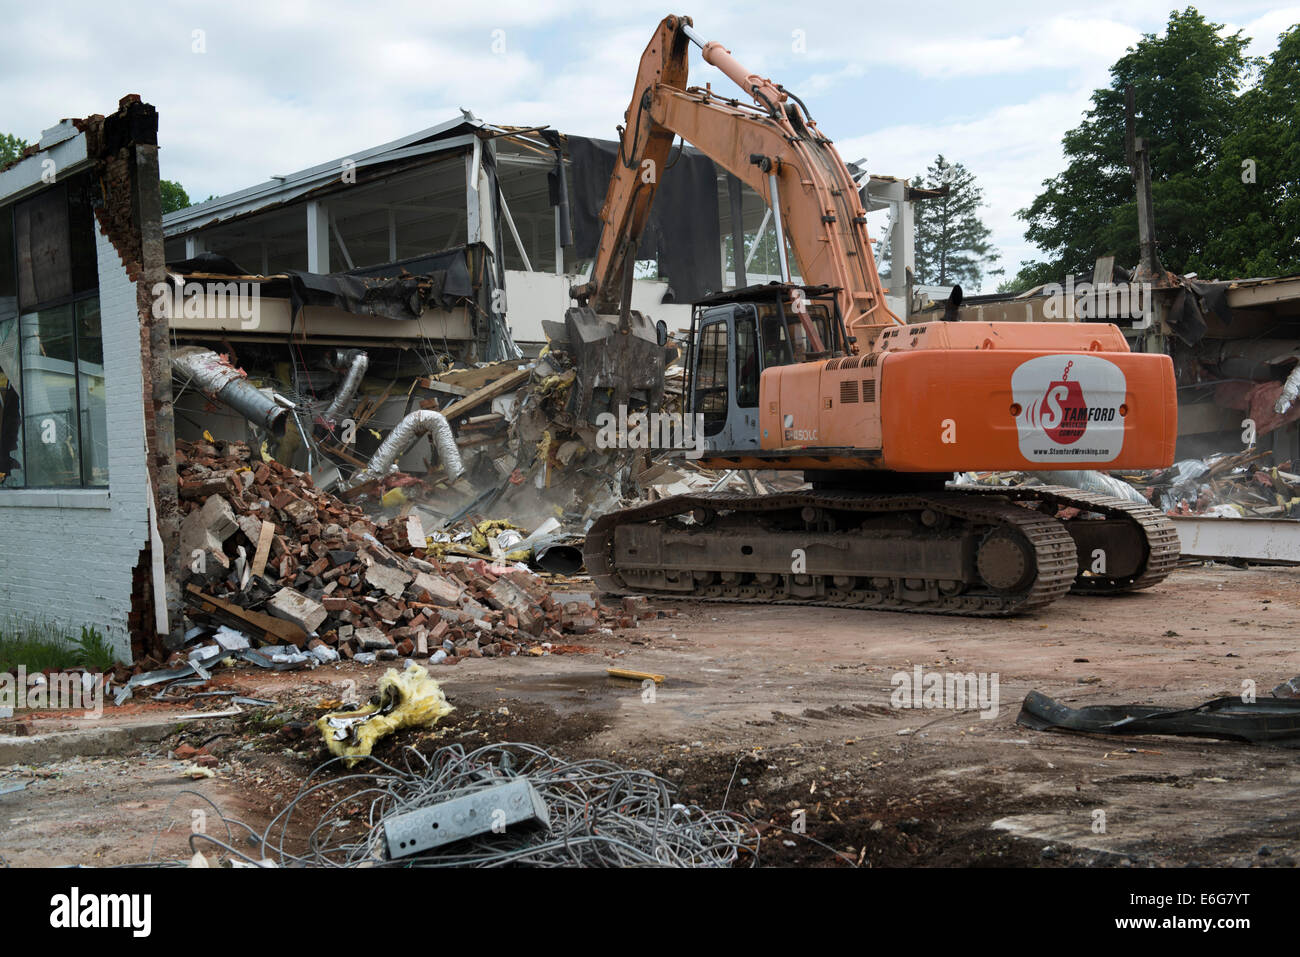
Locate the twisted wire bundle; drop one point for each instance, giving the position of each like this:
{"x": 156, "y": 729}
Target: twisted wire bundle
{"x": 601, "y": 815}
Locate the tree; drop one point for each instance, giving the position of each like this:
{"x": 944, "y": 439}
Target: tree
{"x": 11, "y": 148}
{"x": 952, "y": 242}
{"x": 1185, "y": 87}
{"x": 1253, "y": 200}
{"x": 174, "y": 196}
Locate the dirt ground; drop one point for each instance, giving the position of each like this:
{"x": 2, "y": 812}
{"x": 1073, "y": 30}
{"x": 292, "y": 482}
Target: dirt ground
{"x": 777, "y": 710}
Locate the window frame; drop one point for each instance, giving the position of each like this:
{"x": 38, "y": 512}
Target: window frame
{"x": 714, "y": 420}
{"x": 73, "y": 301}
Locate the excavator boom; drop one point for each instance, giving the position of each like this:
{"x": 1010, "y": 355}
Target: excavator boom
{"x": 769, "y": 143}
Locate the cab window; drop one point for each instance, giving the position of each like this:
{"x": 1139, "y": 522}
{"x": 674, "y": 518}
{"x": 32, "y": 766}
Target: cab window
{"x": 747, "y": 367}
{"x": 711, "y": 376}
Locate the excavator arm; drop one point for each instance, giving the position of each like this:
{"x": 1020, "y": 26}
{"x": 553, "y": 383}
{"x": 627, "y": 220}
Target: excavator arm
{"x": 773, "y": 146}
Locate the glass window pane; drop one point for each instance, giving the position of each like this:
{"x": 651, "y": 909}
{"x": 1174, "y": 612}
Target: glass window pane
{"x": 747, "y": 368}
{"x": 44, "y": 257}
{"x": 820, "y": 315}
{"x": 53, "y": 456}
{"x": 711, "y": 377}
{"x": 776, "y": 347}
{"x": 90, "y": 383}
{"x": 11, "y": 422}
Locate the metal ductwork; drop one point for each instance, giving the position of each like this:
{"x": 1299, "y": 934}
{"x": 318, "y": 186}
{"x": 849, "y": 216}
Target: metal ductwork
{"x": 1290, "y": 389}
{"x": 227, "y": 385}
{"x": 1259, "y": 359}
{"x": 559, "y": 558}
{"x": 357, "y": 362}
{"x": 404, "y": 435}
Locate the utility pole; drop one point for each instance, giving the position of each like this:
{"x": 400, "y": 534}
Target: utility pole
{"x": 1135, "y": 147}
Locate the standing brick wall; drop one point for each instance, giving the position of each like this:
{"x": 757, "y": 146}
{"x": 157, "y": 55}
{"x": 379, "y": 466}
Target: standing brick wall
{"x": 69, "y": 556}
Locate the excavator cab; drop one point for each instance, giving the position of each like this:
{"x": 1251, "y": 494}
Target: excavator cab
{"x": 736, "y": 335}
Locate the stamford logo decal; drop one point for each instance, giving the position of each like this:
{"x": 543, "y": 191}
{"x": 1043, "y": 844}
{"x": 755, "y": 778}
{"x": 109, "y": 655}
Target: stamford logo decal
{"x": 1062, "y": 412}
{"x": 1070, "y": 408}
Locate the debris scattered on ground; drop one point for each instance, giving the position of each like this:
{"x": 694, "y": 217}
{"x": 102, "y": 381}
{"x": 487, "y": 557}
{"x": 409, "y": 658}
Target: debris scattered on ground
{"x": 590, "y": 813}
{"x": 323, "y": 573}
{"x": 1288, "y": 689}
{"x": 634, "y": 675}
{"x": 407, "y": 699}
{"x": 1237, "y": 485}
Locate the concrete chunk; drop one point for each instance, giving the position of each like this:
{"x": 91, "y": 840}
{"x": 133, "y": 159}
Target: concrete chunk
{"x": 292, "y": 605}
{"x": 207, "y": 528}
{"x": 392, "y": 581}
{"x": 301, "y": 512}
{"x": 372, "y": 639}
{"x": 505, "y": 595}
{"x": 435, "y": 588}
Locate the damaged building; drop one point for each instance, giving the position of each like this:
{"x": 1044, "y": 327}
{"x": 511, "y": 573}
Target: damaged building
{"x": 88, "y": 506}
{"x": 377, "y": 312}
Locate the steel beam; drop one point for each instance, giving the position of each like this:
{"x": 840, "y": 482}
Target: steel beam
{"x": 318, "y": 237}
{"x": 490, "y": 810}
{"x": 1253, "y": 539}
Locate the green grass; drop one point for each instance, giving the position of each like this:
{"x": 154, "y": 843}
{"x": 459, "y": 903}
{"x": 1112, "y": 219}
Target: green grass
{"x": 41, "y": 645}
{"x": 95, "y": 653}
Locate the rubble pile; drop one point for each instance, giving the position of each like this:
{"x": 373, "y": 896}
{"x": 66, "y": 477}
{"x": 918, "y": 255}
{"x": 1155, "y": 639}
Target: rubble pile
{"x": 528, "y": 446}
{"x": 524, "y": 442}
{"x": 1223, "y": 485}
{"x": 273, "y": 557}
{"x": 1238, "y": 485}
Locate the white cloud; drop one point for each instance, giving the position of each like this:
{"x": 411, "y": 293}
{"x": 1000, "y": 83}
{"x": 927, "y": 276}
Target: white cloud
{"x": 287, "y": 85}
{"x": 1264, "y": 31}
{"x": 1069, "y": 43}
{"x": 1011, "y": 150}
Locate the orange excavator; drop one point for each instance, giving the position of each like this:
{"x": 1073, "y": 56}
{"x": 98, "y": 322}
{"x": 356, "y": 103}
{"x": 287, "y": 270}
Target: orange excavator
{"x": 821, "y": 377}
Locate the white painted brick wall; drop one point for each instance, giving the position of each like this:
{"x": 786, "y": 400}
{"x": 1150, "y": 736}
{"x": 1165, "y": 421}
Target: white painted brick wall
{"x": 73, "y": 566}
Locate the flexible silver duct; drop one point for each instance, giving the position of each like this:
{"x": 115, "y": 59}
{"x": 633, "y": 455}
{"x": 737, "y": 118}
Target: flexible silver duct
{"x": 1248, "y": 358}
{"x": 1088, "y": 480}
{"x": 559, "y": 558}
{"x": 357, "y": 362}
{"x": 1290, "y": 389}
{"x": 227, "y": 385}
{"x": 405, "y": 434}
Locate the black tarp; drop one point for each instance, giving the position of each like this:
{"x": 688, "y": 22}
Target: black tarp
{"x": 1192, "y": 303}
{"x": 683, "y": 231}
{"x": 1263, "y": 721}
{"x": 437, "y": 280}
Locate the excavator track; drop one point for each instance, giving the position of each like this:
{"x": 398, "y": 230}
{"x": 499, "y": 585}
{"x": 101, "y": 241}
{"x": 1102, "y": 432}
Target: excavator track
{"x": 1140, "y": 543}
{"x": 946, "y": 552}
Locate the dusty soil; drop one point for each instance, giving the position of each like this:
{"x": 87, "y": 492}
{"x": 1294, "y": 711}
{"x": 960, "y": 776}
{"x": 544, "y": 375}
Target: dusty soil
{"x": 778, "y": 711}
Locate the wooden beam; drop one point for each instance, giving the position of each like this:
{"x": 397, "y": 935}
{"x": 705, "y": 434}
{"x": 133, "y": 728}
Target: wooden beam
{"x": 264, "y": 627}
{"x": 433, "y": 385}
{"x": 263, "y": 551}
{"x": 487, "y": 393}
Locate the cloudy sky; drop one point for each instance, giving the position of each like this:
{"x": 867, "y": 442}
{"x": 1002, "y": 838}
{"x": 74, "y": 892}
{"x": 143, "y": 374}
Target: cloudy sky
{"x": 273, "y": 87}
